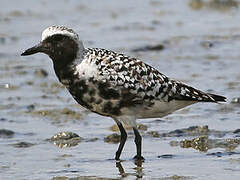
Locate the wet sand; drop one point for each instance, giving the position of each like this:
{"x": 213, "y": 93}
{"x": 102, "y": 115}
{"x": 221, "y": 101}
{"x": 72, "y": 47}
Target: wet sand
{"x": 194, "y": 41}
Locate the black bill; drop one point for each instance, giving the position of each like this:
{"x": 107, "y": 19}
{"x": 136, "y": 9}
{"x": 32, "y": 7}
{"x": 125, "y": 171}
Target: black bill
{"x": 35, "y": 49}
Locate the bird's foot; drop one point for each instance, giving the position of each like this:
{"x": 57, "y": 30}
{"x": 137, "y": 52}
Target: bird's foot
{"x": 118, "y": 160}
{"x": 138, "y": 158}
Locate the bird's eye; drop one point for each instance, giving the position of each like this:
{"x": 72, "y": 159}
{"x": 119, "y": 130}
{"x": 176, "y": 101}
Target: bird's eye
{"x": 58, "y": 37}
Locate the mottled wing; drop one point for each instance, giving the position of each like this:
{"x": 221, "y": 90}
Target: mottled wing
{"x": 136, "y": 81}
{"x": 184, "y": 92}
{"x": 139, "y": 83}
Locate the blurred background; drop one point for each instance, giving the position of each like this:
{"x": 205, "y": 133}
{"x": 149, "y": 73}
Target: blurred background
{"x": 195, "y": 41}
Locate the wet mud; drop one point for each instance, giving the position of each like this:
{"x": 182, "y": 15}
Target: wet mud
{"x": 45, "y": 134}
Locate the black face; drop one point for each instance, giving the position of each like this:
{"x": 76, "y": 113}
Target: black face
{"x": 59, "y": 47}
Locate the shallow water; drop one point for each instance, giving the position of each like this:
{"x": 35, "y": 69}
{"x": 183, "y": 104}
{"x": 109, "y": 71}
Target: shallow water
{"x": 201, "y": 41}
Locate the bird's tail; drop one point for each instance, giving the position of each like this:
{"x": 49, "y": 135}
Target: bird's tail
{"x": 217, "y": 98}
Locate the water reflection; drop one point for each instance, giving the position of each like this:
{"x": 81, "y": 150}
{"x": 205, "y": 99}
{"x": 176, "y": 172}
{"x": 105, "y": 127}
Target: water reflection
{"x": 138, "y": 169}
{"x": 138, "y": 173}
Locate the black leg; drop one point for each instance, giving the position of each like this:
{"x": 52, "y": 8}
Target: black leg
{"x": 122, "y": 140}
{"x": 138, "y": 142}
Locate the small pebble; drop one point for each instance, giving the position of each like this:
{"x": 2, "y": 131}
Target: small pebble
{"x": 154, "y": 134}
{"x": 158, "y": 47}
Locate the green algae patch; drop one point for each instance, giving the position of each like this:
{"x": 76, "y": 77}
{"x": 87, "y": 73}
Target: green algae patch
{"x": 112, "y": 138}
{"x": 184, "y": 132}
{"x": 217, "y": 5}
{"x": 50, "y": 88}
{"x": 82, "y": 178}
{"x": 199, "y": 143}
{"x": 153, "y": 134}
{"x": 203, "y": 143}
{"x": 176, "y": 177}
{"x": 194, "y": 131}
{"x": 59, "y": 115}
{"x": 191, "y": 131}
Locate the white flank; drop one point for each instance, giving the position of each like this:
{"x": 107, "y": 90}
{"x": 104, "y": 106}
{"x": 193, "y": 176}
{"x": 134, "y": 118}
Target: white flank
{"x": 161, "y": 109}
{"x": 86, "y": 69}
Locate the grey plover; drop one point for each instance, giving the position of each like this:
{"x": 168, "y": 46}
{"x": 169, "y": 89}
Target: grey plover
{"x": 113, "y": 84}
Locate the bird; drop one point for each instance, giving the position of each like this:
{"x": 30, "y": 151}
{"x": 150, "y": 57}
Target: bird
{"x": 113, "y": 84}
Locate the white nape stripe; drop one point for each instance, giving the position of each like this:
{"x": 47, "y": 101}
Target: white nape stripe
{"x": 52, "y": 30}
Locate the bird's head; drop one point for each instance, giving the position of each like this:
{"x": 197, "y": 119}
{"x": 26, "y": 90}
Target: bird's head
{"x": 58, "y": 42}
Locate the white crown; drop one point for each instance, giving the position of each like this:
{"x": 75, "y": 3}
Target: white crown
{"x": 59, "y": 30}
